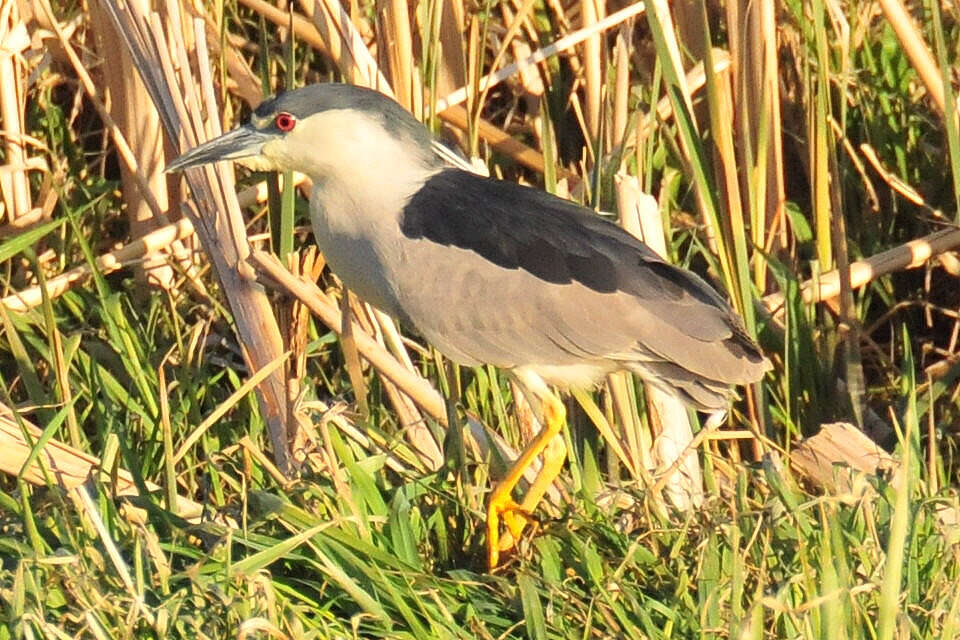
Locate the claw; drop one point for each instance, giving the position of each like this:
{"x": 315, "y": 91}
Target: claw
{"x": 502, "y": 507}
{"x": 515, "y": 518}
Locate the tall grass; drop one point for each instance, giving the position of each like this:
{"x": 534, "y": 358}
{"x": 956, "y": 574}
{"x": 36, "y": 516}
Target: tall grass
{"x": 804, "y": 158}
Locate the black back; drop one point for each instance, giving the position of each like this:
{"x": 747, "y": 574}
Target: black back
{"x": 518, "y": 227}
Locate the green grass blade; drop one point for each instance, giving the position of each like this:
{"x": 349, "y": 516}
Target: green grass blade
{"x": 533, "y": 616}
{"x": 27, "y": 239}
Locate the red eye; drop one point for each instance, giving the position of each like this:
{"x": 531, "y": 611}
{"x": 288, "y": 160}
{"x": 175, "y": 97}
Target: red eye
{"x": 285, "y": 121}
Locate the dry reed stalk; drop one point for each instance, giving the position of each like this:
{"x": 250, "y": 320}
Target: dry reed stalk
{"x": 869, "y": 191}
{"x": 295, "y": 326}
{"x": 37, "y": 215}
{"x": 471, "y": 116}
{"x": 351, "y": 358}
{"x": 775, "y": 189}
{"x": 398, "y": 50}
{"x": 14, "y": 40}
{"x": 671, "y": 450}
{"x": 726, "y": 169}
{"x": 451, "y": 65}
{"x": 744, "y": 48}
{"x": 673, "y": 48}
{"x": 335, "y": 32}
{"x": 127, "y": 157}
{"x": 410, "y": 417}
{"x": 591, "y": 12}
{"x": 917, "y": 51}
{"x": 415, "y": 428}
{"x": 753, "y": 54}
{"x": 687, "y": 15}
{"x": 661, "y": 12}
{"x": 893, "y": 180}
{"x": 621, "y": 91}
{"x": 909, "y": 255}
{"x": 131, "y": 108}
{"x": 159, "y": 53}
{"x": 240, "y": 80}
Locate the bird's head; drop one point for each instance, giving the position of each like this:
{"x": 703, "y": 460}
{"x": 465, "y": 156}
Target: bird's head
{"x": 321, "y": 130}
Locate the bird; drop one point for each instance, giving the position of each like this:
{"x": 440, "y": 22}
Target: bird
{"x": 492, "y": 272}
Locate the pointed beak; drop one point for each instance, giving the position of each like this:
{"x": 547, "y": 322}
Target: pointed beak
{"x": 242, "y": 142}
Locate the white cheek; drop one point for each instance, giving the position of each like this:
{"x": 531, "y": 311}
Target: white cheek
{"x": 279, "y": 154}
{"x": 260, "y": 163}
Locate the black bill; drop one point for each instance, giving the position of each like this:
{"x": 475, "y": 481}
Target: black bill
{"x": 242, "y": 142}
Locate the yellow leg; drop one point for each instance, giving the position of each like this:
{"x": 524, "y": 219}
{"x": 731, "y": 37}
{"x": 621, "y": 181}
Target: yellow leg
{"x": 554, "y": 455}
{"x": 519, "y": 516}
{"x": 502, "y": 506}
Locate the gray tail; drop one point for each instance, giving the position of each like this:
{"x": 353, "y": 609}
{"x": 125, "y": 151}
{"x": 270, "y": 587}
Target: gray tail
{"x": 699, "y": 392}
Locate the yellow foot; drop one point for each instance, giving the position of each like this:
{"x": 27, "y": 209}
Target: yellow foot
{"x": 548, "y": 443}
{"x": 514, "y": 517}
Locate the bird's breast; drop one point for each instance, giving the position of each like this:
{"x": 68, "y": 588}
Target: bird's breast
{"x": 358, "y": 248}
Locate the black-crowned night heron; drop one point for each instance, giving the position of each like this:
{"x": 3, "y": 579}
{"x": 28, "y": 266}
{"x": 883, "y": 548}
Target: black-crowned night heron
{"x": 492, "y": 272}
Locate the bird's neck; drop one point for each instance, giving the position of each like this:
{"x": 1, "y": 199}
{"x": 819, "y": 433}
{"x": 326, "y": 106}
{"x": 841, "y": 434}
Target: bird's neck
{"x": 356, "y": 226}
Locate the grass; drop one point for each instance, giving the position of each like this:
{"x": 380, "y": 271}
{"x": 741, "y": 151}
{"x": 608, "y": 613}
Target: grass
{"x": 783, "y": 160}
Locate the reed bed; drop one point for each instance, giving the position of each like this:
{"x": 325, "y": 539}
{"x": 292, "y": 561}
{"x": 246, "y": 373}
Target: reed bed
{"x": 204, "y": 436}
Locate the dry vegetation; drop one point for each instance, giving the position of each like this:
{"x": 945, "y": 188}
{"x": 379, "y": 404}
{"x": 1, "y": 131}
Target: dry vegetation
{"x": 199, "y": 443}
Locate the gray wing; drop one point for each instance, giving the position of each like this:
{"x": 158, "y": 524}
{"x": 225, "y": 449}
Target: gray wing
{"x": 520, "y": 277}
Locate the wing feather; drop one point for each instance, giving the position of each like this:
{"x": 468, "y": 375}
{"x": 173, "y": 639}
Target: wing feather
{"x": 557, "y": 241}
{"x": 565, "y": 286}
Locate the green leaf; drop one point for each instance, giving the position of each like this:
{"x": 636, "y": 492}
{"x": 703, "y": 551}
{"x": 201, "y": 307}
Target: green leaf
{"x": 532, "y": 608}
{"x": 27, "y": 239}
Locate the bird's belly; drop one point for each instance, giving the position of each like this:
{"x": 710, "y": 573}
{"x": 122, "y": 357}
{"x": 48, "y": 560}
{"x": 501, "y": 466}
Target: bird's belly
{"x": 475, "y": 312}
